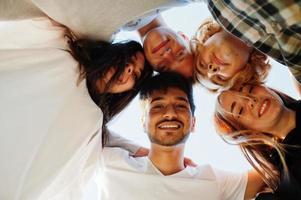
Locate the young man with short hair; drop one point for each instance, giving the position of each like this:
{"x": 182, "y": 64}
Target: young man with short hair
{"x": 168, "y": 120}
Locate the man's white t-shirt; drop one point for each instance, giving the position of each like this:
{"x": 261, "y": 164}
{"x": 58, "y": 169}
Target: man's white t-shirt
{"x": 127, "y": 177}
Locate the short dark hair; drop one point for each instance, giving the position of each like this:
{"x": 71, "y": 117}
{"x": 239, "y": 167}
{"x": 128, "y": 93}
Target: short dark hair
{"x": 164, "y": 80}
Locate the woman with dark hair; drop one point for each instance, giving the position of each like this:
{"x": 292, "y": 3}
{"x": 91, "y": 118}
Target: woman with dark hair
{"x": 266, "y": 125}
{"x": 56, "y": 146}
{"x": 114, "y": 73}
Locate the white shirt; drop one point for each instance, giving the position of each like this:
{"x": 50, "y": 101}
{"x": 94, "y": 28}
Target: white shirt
{"x": 93, "y": 19}
{"x": 46, "y": 119}
{"x": 127, "y": 177}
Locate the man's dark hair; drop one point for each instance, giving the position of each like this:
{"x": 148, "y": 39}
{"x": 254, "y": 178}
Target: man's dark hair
{"x": 164, "y": 80}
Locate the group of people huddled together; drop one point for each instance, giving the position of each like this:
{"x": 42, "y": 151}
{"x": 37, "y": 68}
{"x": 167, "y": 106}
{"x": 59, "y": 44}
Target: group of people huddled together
{"x": 67, "y": 80}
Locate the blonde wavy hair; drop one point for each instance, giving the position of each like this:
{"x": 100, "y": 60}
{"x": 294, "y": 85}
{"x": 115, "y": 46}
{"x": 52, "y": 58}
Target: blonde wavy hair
{"x": 256, "y": 146}
{"x": 255, "y": 71}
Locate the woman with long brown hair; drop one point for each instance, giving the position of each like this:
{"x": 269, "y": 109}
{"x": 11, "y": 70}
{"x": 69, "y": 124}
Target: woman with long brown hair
{"x": 114, "y": 73}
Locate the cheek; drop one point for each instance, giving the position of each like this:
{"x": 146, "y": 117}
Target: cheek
{"x": 242, "y": 59}
{"x": 152, "y": 121}
{"x": 204, "y": 54}
{"x": 187, "y": 119}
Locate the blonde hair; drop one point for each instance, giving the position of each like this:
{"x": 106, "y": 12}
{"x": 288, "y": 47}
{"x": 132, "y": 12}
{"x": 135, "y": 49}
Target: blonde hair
{"x": 256, "y": 146}
{"x": 255, "y": 71}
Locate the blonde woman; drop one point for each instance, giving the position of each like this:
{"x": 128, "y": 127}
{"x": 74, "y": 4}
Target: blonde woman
{"x": 222, "y": 60}
{"x": 266, "y": 125}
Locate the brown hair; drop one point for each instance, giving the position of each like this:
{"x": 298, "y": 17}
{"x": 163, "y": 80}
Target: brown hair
{"x": 255, "y": 71}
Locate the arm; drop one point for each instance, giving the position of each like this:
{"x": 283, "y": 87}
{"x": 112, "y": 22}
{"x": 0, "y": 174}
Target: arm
{"x": 22, "y": 9}
{"x": 116, "y": 140}
{"x": 254, "y": 185}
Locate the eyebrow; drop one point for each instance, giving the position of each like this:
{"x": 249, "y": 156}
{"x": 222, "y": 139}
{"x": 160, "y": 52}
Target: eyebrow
{"x": 182, "y": 99}
{"x": 232, "y": 106}
{"x": 156, "y": 99}
{"x": 161, "y": 98}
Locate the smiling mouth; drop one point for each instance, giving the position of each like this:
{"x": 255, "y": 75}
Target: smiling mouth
{"x": 169, "y": 125}
{"x": 263, "y": 107}
{"x": 162, "y": 44}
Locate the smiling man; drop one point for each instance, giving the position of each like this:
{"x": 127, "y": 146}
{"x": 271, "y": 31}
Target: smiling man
{"x": 168, "y": 120}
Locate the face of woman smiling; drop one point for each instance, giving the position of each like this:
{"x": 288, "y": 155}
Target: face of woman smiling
{"x": 253, "y": 107}
{"x": 222, "y": 56}
{"x": 127, "y": 79}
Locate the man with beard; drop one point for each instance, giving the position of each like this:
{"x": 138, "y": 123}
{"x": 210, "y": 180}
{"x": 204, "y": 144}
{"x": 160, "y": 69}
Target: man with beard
{"x": 168, "y": 119}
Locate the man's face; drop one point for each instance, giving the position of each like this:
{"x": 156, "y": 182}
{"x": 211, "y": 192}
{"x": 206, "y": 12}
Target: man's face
{"x": 168, "y": 118}
{"x": 168, "y": 51}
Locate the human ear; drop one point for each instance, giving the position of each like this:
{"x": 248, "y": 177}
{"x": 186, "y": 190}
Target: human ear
{"x": 143, "y": 122}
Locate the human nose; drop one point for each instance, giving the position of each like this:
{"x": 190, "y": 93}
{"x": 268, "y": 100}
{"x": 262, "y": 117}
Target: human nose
{"x": 250, "y": 101}
{"x": 167, "y": 53}
{"x": 213, "y": 69}
{"x": 128, "y": 71}
{"x": 170, "y": 112}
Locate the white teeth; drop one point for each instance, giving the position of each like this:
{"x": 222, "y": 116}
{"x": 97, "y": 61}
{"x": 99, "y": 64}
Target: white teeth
{"x": 263, "y": 107}
{"x": 169, "y": 126}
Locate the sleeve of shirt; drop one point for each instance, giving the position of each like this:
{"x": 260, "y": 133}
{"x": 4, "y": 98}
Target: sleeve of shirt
{"x": 296, "y": 73}
{"x": 112, "y": 154}
{"x": 232, "y": 186}
{"x": 116, "y": 140}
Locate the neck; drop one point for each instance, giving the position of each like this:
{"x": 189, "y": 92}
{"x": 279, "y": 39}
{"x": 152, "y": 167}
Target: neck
{"x": 286, "y": 123}
{"x": 169, "y": 160}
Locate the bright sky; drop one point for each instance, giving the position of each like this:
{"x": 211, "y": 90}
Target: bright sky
{"x": 204, "y": 145}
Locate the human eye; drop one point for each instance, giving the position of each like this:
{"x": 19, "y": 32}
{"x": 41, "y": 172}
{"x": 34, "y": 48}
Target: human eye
{"x": 236, "y": 110}
{"x": 240, "y": 112}
{"x": 157, "y": 106}
{"x": 182, "y": 106}
{"x": 180, "y": 55}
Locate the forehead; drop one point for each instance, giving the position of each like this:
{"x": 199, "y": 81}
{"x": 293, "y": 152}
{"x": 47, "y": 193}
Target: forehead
{"x": 217, "y": 37}
{"x": 168, "y": 94}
